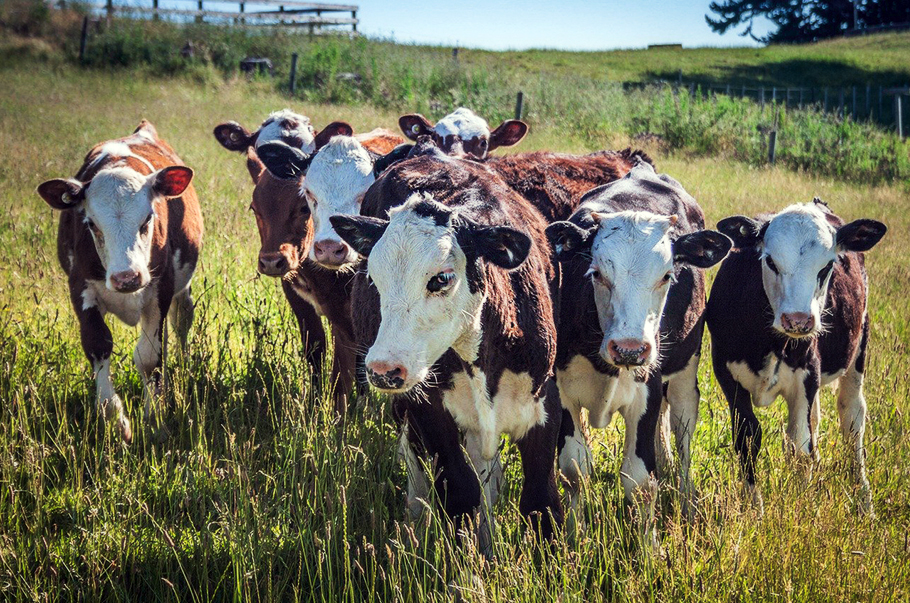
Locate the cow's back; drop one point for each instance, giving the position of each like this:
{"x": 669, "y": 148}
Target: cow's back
{"x": 555, "y": 183}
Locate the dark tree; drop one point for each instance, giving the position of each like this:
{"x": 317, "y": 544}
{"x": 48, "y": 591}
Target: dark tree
{"x": 805, "y": 20}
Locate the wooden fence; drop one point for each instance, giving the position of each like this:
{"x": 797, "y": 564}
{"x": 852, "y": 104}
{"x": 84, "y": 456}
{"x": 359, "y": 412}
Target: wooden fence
{"x": 286, "y": 13}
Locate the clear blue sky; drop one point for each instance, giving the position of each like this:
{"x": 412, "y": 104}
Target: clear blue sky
{"x": 570, "y": 24}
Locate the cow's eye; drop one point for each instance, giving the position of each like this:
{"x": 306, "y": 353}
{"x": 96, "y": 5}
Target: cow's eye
{"x": 144, "y": 229}
{"x": 440, "y": 282}
{"x": 99, "y": 236}
{"x": 667, "y": 277}
{"x": 771, "y": 265}
{"x": 598, "y": 277}
{"x": 482, "y": 144}
{"x": 824, "y": 272}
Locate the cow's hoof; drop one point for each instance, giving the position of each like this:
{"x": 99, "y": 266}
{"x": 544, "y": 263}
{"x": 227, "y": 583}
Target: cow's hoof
{"x": 125, "y": 430}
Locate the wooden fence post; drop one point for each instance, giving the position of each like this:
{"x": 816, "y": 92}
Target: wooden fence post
{"x": 772, "y": 146}
{"x": 761, "y": 97}
{"x": 519, "y": 104}
{"x": 83, "y": 39}
{"x": 293, "y": 82}
{"x": 354, "y": 25}
{"x": 109, "y": 9}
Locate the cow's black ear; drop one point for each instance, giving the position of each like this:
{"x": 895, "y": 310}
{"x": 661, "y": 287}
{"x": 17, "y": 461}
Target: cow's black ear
{"x": 283, "y": 160}
{"x": 567, "y": 239}
{"x": 860, "y": 235}
{"x": 500, "y": 245}
{"x": 360, "y": 232}
{"x": 234, "y": 137}
{"x": 397, "y": 154}
{"x": 415, "y": 125}
{"x": 701, "y": 249}
{"x": 62, "y": 193}
{"x": 509, "y": 133}
{"x": 745, "y": 232}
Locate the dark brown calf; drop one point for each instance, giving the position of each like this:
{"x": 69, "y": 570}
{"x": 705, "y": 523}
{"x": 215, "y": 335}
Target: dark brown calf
{"x": 285, "y": 228}
{"x": 454, "y": 304}
{"x": 788, "y": 315}
{"x": 129, "y": 239}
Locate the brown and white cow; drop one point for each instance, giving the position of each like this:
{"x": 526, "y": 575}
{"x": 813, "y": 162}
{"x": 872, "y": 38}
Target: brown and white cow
{"x": 285, "y": 125}
{"x": 453, "y": 302}
{"x": 129, "y": 238}
{"x": 463, "y": 133}
{"x": 787, "y": 316}
{"x": 553, "y": 182}
{"x": 631, "y": 322}
{"x": 285, "y": 223}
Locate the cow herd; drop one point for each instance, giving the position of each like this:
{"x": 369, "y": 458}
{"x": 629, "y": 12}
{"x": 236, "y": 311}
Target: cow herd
{"x": 491, "y": 295}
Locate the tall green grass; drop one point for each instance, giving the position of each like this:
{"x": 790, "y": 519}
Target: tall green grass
{"x": 260, "y": 494}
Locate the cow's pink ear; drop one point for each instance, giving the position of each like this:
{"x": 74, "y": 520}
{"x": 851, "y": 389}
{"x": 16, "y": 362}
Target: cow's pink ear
{"x": 415, "y": 125}
{"x": 254, "y": 165}
{"x": 509, "y": 133}
{"x": 172, "y": 181}
{"x": 336, "y": 128}
{"x": 62, "y": 193}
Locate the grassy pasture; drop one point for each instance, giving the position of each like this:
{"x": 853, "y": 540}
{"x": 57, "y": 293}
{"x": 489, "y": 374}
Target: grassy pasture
{"x": 259, "y": 494}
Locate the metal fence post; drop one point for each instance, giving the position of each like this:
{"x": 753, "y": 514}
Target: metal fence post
{"x": 293, "y": 83}
{"x": 83, "y": 39}
{"x": 772, "y": 146}
{"x": 519, "y": 104}
{"x": 898, "y": 118}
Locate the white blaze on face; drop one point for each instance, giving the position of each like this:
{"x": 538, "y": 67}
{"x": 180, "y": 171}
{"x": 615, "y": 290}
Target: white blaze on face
{"x": 463, "y": 123}
{"x": 119, "y": 209}
{"x": 798, "y": 252}
{"x": 284, "y": 125}
{"x": 338, "y": 177}
{"x": 631, "y": 260}
{"x": 417, "y": 326}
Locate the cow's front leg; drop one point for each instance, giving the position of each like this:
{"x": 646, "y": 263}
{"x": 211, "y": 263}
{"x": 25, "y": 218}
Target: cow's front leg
{"x": 575, "y": 459}
{"x": 539, "y": 495}
{"x": 148, "y": 358}
{"x": 639, "y": 464}
{"x": 312, "y": 334}
{"x": 343, "y": 369}
{"x": 489, "y": 474}
{"x": 683, "y": 398}
{"x": 434, "y": 441}
{"x": 851, "y": 408}
{"x": 98, "y": 344}
{"x": 747, "y": 432}
{"x": 802, "y": 419}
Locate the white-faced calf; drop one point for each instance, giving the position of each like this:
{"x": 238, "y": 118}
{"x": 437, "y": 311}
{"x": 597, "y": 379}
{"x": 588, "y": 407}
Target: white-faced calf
{"x": 787, "y": 315}
{"x": 285, "y": 222}
{"x": 631, "y": 321}
{"x": 463, "y": 133}
{"x": 454, "y": 305}
{"x": 129, "y": 238}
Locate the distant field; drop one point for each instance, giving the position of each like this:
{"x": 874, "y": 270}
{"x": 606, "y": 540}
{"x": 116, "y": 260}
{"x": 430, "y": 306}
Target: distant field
{"x": 260, "y": 495}
{"x": 876, "y": 60}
